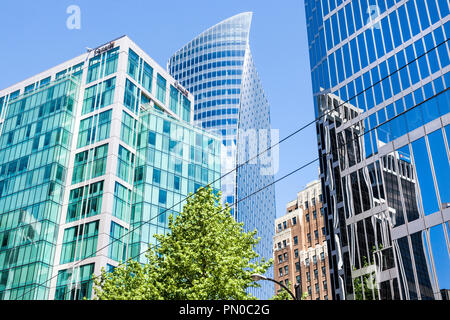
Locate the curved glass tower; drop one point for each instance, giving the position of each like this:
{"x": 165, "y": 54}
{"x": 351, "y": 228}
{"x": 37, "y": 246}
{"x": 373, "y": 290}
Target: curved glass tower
{"x": 217, "y": 68}
{"x": 380, "y": 74}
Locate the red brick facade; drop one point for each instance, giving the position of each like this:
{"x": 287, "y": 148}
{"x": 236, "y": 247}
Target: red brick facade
{"x": 300, "y": 246}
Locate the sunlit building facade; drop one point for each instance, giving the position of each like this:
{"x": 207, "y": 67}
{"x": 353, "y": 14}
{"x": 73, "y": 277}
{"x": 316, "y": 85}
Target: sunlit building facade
{"x": 300, "y": 247}
{"x": 95, "y": 154}
{"x": 380, "y": 78}
{"x": 218, "y": 69}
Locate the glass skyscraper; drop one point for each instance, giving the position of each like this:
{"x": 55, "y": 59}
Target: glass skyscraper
{"x": 380, "y": 78}
{"x": 218, "y": 69}
{"x": 89, "y": 150}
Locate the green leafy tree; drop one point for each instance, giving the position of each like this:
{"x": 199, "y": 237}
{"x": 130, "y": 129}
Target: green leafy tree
{"x": 206, "y": 255}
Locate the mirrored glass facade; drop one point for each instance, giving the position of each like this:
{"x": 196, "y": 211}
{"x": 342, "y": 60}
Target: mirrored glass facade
{"x": 218, "y": 69}
{"x": 91, "y": 150}
{"x": 380, "y": 78}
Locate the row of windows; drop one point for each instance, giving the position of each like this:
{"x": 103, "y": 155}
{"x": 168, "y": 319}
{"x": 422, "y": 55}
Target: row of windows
{"x": 90, "y": 164}
{"x": 102, "y": 65}
{"x": 75, "y": 284}
{"x": 85, "y": 202}
{"x": 425, "y": 48}
{"x": 140, "y": 70}
{"x": 17, "y": 283}
{"x": 225, "y": 35}
{"x": 160, "y": 127}
{"x": 79, "y": 242}
{"x": 197, "y": 77}
{"x": 213, "y": 103}
{"x": 94, "y": 129}
{"x": 208, "y": 56}
{"x": 99, "y": 96}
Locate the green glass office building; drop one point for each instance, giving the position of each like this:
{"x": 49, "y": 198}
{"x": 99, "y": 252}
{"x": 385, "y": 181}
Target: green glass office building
{"x": 95, "y": 154}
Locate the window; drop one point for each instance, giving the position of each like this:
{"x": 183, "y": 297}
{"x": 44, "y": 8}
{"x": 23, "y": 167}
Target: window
{"x": 307, "y": 262}
{"x": 295, "y": 240}
{"x": 309, "y": 237}
{"x": 99, "y": 95}
{"x": 284, "y": 243}
{"x": 79, "y": 242}
{"x": 186, "y": 109}
{"x": 308, "y": 277}
{"x": 130, "y": 99}
{"x": 280, "y": 258}
{"x": 112, "y": 56}
{"x": 280, "y": 272}
{"x": 316, "y": 273}
{"x": 285, "y": 255}
{"x": 85, "y": 201}
{"x": 147, "y": 77}
{"x": 133, "y": 64}
{"x": 323, "y": 231}
{"x": 117, "y": 249}
{"x": 127, "y": 130}
{"x": 296, "y": 253}
{"x": 279, "y": 227}
{"x": 306, "y": 205}
{"x": 316, "y": 234}
{"x": 324, "y": 271}
{"x": 294, "y": 221}
{"x": 307, "y": 217}
{"x": 284, "y": 224}
{"x": 173, "y": 102}
{"x": 122, "y": 202}
{"x": 279, "y": 245}
{"x": 322, "y": 256}
{"x": 125, "y": 164}
{"x": 286, "y": 269}
{"x": 313, "y": 201}
{"x": 315, "y": 259}
{"x": 297, "y": 266}
{"x": 161, "y": 89}
{"x": 325, "y": 285}
{"x": 298, "y": 279}
{"x": 317, "y": 288}
{"x": 315, "y": 214}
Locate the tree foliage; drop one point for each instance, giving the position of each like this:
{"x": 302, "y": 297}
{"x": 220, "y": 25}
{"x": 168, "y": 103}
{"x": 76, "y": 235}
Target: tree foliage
{"x": 206, "y": 255}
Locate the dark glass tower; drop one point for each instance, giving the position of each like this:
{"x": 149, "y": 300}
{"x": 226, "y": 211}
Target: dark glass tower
{"x": 380, "y": 78}
{"x": 218, "y": 69}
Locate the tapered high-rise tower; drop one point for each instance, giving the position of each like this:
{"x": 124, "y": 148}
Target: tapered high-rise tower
{"x": 218, "y": 69}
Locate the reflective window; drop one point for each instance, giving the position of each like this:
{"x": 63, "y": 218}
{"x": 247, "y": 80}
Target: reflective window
{"x": 424, "y": 176}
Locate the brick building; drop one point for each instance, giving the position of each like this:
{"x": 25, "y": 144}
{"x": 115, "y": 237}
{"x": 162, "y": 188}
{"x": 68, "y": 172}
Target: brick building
{"x": 299, "y": 246}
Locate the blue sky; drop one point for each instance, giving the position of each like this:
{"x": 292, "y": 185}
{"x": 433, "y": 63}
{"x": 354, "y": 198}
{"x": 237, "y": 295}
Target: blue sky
{"x": 35, "y": 38}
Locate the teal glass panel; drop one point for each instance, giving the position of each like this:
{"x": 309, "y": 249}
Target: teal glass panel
{"x": 35, "y": 147}
{"x": 75, "y": 283}
{"x": 128, "y": 129}
{"x": 117, "y": 248}
{"x": 79, "y": 242}
{"x": 161, "y": 89}
{"x": 85, "y": 202}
